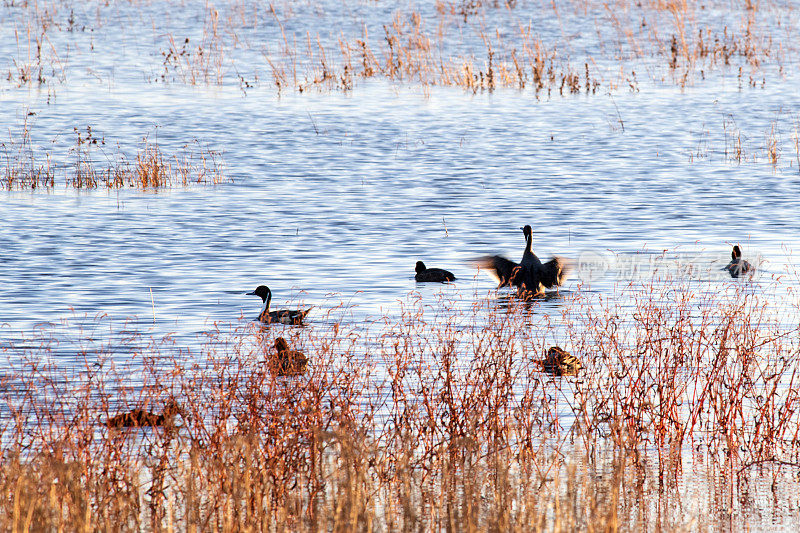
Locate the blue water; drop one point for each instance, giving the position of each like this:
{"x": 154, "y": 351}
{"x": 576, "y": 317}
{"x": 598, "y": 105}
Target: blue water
{"x": 387, "y": 179}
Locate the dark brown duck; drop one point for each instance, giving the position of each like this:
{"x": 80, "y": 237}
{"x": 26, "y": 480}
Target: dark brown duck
{"x": 432, "y": 274}
{"x": 287, "y": 362}
{"x": 738, "y": 266}
{"x": 141, "y": 418}
{"x": 560, "y": 362}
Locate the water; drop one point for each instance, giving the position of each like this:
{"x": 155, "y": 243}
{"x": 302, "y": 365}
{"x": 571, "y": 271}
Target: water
{"x": 387, "y": 179}
{"x": 335, "y": 195}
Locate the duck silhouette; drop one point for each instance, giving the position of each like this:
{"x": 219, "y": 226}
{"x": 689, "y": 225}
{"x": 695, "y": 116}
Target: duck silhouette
{"x": 282, "y": 316}
{"x": 287, "y": 362}
{"x": 738, "y": 266}
{"x": 530, "y": 275}
{"x": 560, "y": 362}
{"x": 432, "y": 274}
{"x": 141, "y": 418}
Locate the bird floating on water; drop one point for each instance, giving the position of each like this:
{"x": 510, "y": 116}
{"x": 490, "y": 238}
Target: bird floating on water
{"x": 141, "y": 418}
{"x": 283, "y": 316}
{"x": 560, "y": 362}
{"x": 530, "y": 275}
{"x": 287, "y": 362}
{"x": 738, "y": 266}
{"x": 432, "y": 274}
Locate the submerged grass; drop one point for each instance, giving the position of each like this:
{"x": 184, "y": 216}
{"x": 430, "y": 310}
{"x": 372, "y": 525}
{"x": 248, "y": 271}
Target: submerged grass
{"x": 509, "y": 46}
{"x": 436, "y": 418}
{"x": 28, "y": 168}
{"x": 567, "y": 46}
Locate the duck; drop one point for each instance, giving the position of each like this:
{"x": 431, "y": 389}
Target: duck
{"x": 439, "y": 275}
{"x": 738, "y": 266}
{"x": 560, "y": 362}
{"x": 288, "y": 362}
{"x": 141, "y": 418}
{"x": 530, "y": 275}
{"x": 283, "y": 316}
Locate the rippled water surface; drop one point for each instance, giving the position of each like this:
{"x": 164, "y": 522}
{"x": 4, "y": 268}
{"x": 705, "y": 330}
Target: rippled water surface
{"x": 343, "y": 193}
{"x": 332, "y": 195}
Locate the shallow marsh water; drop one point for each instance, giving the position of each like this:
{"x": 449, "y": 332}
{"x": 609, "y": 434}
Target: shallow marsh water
{"x": 392, "y": 177}
{"x": 334, "y": 196}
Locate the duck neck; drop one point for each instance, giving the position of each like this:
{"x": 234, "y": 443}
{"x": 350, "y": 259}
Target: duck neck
{"x": 266, "y": 303}
{"x": 527, "y": 255}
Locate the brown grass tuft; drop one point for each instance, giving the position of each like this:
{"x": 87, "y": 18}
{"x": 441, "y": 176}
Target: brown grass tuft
{"x": 437, "y": 417}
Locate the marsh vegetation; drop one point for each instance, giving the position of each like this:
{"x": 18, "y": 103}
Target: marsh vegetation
{"x": 565, "y": 47}
{"x": 358, "y": 138}
{"x": 439, "y": 418}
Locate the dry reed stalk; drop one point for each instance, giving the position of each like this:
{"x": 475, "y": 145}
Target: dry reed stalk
{"x": 435, "y": 417}
{"x": 22, "y": 170}
{"x": 675, "y": 41}
{"x": 25, "y": 169}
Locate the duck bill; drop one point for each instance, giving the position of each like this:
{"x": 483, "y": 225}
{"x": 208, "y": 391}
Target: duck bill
{"x": 250, "y": 293}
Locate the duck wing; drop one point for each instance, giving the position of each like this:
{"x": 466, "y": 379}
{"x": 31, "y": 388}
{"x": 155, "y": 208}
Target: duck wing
{"x": 290, "y": 363}
{"x": 732, "y": 268}
{"x": 295, "y": 317}
{"x": 285, "y": 316}
{"x": 500, "y": 267}
{"x": 561, "y": 363}
{"x": 552, "y": 273}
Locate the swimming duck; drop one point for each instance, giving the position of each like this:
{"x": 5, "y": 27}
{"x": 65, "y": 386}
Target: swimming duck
{"x": 288, "y": 362}
{"x": 432, "y": 274}
{"x": 141, "y": 418}
{"x": 284, "y": 316}
{"x": 530, "y": 275}
{"x": 738, "y": 266}
{"x": 560, "y": 362}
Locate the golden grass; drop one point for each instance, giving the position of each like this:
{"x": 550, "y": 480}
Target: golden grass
{"x": 27, "y": 168}
{"x": 437, "y": 418}
{"x": 473, "y": 44}
{"x": 777, "y": 143}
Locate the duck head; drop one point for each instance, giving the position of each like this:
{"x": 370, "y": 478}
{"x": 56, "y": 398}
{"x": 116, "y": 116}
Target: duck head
{"x": 281, "y": 345}
{"x": 736, "y": 253}
{"x": 262, "y": 291}
{"x": 526, "y": 230}
{"x": 420, "y": 267}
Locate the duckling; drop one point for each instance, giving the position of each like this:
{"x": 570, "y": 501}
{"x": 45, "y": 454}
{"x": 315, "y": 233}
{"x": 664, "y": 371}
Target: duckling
{"x": 288, "y": 362}
{"x": 738, "y": 266}
{"x": 432, "y": 274}
{"x": 530, "y": 275}
{"x": 560, "y": 362}
{"x": 283, "y": 316}
{"x": 141, "y": 418}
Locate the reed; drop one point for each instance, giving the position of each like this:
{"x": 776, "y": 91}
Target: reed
{"x": 22, "y": 169}
{"x": 421, "y": 49}
{"x": 476, "y": 45}
{"x": 204, "y": 62}
{"x": 437, "y": 416}
{"x": 30, "y": 168}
